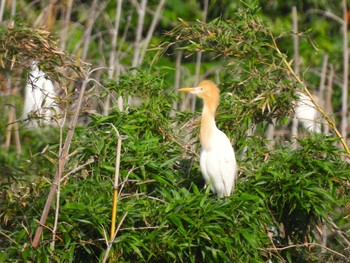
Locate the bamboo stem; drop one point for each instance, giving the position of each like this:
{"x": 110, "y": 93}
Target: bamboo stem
{"x": 9, "y": 129}
{"x": 68, "y": 13}
{"x": 199, "y": 58}
{"x": 155, "y": 20}
{"x": 2, "y": 9}
{"x": 58, "y": 192}
{"x": 328, "y": 101}
{"x": 177, "y": 81}
{"x": 16, "y": 134}
{"x": 137, "y": 45}
{"x": 115, "y": 186}
{"x": 113, "y": 68}
{"x": 94, "y": 12}
{"x": 344, "y": 111}
{"x": 295, "y": 122}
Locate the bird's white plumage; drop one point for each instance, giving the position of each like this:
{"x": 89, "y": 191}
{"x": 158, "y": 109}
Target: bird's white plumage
{"x": 39, "y": 97}
{"x": 217, "y": 160}
{"x": 306, "y": 113}
{"x": 218, "y": 164}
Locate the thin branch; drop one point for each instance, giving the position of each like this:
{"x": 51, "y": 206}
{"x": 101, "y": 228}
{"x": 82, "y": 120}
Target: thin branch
{"x": 309, "y": 245}
{"x": 319, "y": 109}
{"x": 55, "y": 227}
{"x": 78, "y": 168}
{"x": 340, "y": 233}
{"x": 8, "y": 237}
{"x": 114, "y": 236}
{"x": 326, "y": 14}
{"x": 142, "y": 228}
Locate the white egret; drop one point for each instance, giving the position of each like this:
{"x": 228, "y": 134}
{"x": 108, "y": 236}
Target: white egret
{"x": 306, "y": 113}
{"x": 39, "y": 97}
{"x": 217, "y": 158}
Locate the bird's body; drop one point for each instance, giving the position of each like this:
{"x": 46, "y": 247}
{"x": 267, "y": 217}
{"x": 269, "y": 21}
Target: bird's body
{"x": 40, "y": 97}
{"x": 307, "y": 114}
{"x": 217, "y": 159}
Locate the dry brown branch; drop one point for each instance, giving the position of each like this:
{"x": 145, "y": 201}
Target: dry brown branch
{"x": 61, "y": 164}
{"x": 90, "y": 161}
{"x": 308, "y": 245}
{"x": 340, "y": 233}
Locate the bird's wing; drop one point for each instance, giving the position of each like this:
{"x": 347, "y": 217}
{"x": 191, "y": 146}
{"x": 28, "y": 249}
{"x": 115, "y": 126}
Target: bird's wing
{"x": 228, "y": 165}
{"x": 218, "y": 165}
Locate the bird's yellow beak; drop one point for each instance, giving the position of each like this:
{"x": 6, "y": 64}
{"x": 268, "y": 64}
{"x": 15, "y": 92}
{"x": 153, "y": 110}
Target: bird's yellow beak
{"x": 192, "y": 90}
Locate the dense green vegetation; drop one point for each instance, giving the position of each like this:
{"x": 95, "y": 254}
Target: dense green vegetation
{"x": 291, "y": 203}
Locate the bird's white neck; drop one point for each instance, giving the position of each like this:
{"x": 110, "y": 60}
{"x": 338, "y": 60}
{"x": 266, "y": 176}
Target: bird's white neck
{"x": 208, "y": 125}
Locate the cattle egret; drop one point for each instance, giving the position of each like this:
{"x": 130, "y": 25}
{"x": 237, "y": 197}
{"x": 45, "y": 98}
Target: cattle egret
{"x": 306, "y": 113}
{"x": 39, "y": 97}
{"x": 217, "y": 158}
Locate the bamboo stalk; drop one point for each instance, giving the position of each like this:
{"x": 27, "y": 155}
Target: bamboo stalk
{"x": 58, "y": 192}
{"x": 137, "y": 44}
{"x": 94, "y": 12}
{"x": 2, "y": 9}
{"x": 321, "y": 87}
{"x": 344, "y": 111}
{"x": 16, "y": 134}
{"x": 115, "y": 186}
{"x": 13, "y": 8}
{"x": 155, "y": 20}
{"x": 199, "y": 58}
{"x": 295, "y": 121}
{"x": 9, "y": 129}
{"x": 67, "y": 17}
{"x": 177, "y": 81}
{"x": 328, "y": 101}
